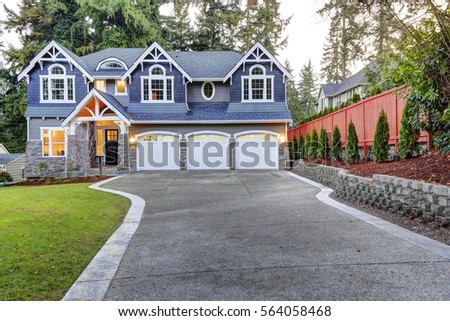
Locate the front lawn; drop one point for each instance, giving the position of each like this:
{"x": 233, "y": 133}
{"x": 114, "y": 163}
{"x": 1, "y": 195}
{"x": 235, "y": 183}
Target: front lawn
{"x": 49, "y": 234}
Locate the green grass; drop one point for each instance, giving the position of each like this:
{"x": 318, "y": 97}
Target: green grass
{"x": 49, "y": 234}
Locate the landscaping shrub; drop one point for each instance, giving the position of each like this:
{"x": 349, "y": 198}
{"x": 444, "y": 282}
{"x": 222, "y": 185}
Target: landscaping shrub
{"x": 336, "y": 145}
{"x": 42, "y": 168}
{"x": 351, "y": 150}
{"x": 295, "y": 148}
{"x": 307, "y": 144}
{"x": 5, "y": 177}
{"x": 291, "y": 149}
{"x": 356, "y": 98}
{"x": 323, "y": 150}
{"x": 409, "y": 136}
{"x": 312, "y": 150}
{"x": 380, "y": 149}
{"x": 301, "y": 147}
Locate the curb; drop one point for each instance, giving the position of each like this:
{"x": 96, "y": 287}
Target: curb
{"x": 407, "y": 235}
{"x": 94, "y": 282}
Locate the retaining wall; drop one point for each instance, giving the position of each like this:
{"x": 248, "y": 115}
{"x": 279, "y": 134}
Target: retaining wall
{"x": 398, "y": 195}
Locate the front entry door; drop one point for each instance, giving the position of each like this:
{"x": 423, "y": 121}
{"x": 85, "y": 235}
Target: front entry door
{"x": 111, "y": 147}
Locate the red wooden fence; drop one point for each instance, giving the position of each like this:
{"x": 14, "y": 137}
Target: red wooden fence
{"x": 364, "y": 115}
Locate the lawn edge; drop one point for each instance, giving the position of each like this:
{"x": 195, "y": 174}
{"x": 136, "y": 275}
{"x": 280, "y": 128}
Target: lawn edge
{"x": 419, "y": 240}
{"x": 95, "y": 280}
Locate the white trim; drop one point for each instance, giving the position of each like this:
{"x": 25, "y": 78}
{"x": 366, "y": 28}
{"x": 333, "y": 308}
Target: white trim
{"x": 157, "y": 132}
{"x": 184, "y": 122}
{"x": 163, "y": 77}
{"x": 39, "y": 56}
{"x": 51, "y": 77}
{"x": 162, "y": 52}
{"x": 263, "y": 77}
{"x": 213, "y": 90}
{"x": 111, "y": 59}
{"x": 267, "y": 53}
{"x": 50, "y": 147}
{"x": 94, "y": 94}
{"x": 249, "y": 132}
{"x": 212, "y": 132}
{"x": 206, "y": 79}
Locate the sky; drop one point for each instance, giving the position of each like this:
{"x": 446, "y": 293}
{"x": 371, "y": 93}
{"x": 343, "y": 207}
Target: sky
{"x": 306, "y": 32}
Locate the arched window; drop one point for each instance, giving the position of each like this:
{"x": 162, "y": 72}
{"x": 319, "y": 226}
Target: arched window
{"x": 57, "y": 86}
{"x": 257, "y": 86}
{"x": 157, "y": 87}
{"x": 111, "y": 64}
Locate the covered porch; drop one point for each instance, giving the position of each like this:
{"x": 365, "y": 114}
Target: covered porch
{"x": 97, "y": 136}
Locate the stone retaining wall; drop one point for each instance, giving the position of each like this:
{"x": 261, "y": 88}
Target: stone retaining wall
{"x": 398, "y": 195}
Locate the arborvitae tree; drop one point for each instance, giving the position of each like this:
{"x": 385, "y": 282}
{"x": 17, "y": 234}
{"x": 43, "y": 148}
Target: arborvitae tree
{"x": 307, "y": 89}
{"x": 178, "y": 32}
{"x": 323, "y": 149}
{"x": 408, "y": 145}
{"x": 312, "y": 151}
{"x": 307, "y": 145}
{"x": 351, "y": 150}
{"x": 301, "y": 147}
{"x": 380, "y": 149}
{"x": 295, "y": 148}
{"x": 336, "y": 148}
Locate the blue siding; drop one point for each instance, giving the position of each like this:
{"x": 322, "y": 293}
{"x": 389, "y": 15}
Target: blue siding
{"x": 134, "y": 89}
{"x": 34, "y": 86}
{"x": 279, "y": 86}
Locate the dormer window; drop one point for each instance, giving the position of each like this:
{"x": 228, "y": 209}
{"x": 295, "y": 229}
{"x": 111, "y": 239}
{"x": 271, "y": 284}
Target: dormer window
{"x": 157, "y": 87}
{"x": 57, "y": 87}
{"x": 257, "y": 86}
{"x": 112, "y": 65}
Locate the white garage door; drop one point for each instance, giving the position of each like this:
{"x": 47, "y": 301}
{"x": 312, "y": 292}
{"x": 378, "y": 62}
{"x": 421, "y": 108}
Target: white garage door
{"x": 256, "y": 151}
{"x": 158, "y": 152}
{"x": 208, "y": 151}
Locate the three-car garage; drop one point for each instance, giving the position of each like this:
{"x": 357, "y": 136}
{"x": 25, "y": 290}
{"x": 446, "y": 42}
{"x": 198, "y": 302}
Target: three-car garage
{"x": 207, "y": 150}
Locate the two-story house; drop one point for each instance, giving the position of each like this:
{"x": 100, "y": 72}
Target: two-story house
{"x": 138, "y": 109}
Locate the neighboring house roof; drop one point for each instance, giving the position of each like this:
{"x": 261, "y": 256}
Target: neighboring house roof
{"x": 3, "y": 149}
{"x": 358, "y": 79}
{"x": 6, "y": 159}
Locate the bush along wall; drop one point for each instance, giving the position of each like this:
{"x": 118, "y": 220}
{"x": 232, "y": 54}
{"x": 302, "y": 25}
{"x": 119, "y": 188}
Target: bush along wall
{"x": 351, "y": 148}
{"x": 380, "y": 147}
{"x": 336, "y": 145}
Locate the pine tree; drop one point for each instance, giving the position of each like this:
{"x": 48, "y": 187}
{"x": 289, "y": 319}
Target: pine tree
{"x": 380, "y": 149}
{"x": 336, "y": 148}
{"x": 408, "y": 145}
{"x": 323, "y": 149}
{"x": 293, "y": 101}
{"x": 177, "y": 30}
{"x": 307, "y": 146}
{"x": 351, "y": 150}
{"x": 301, "y": 147}
{"x": 314, "y": 143}
{"x": 307, "y": 89}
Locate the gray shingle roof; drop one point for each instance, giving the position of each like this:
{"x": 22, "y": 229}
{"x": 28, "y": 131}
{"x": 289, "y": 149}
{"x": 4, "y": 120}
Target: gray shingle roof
{"x": 206, "y": 64}
{"x": 357, "y": 79}
{"x": 5, "y": 159}
{"x": 48, "y": 111}
{"x": 113, "y": 101}
{"x": 127, "y": 55}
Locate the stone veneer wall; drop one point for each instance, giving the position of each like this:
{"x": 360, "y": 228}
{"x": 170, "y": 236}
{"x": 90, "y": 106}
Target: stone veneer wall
{"x": 56, "y": 165}
{"x": 398, "y": 195}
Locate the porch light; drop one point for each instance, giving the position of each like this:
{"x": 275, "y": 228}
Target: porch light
{"x": 282, "y": 139}
{"x": 133, "y": 140}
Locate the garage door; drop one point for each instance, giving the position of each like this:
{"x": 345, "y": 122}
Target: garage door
{"x": 256, "y": 151}
{"x": 208, "y": 151}
{"x": 158, "y": 152}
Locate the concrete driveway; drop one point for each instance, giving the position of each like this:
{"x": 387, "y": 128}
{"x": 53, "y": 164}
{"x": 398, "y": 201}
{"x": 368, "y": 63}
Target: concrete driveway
{"x": 262, "y": 236}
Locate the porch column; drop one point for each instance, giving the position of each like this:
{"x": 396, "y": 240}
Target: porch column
{"x": 78, "y": 159}
{"x": 123, "y": 146}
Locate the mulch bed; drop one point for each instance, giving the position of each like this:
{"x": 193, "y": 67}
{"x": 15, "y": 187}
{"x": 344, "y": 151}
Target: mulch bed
{"x": 58, "y": 181}
{"x": 432, "y": 167}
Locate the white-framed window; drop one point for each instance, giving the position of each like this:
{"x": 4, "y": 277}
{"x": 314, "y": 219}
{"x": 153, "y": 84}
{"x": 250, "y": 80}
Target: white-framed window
{"x": 157, "y": 87}
{"x": 121, "y": 87}
{"x": 53, "y": 142}
{"x": 257, "y": 86}
{"x": 57, "y": 86}
{"x": 208, "y": 90}
{"x": 100, "y": 84}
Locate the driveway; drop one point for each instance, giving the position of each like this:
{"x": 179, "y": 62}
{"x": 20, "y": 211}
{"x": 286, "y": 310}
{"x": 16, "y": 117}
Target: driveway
{"x": 262, "y": 236}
